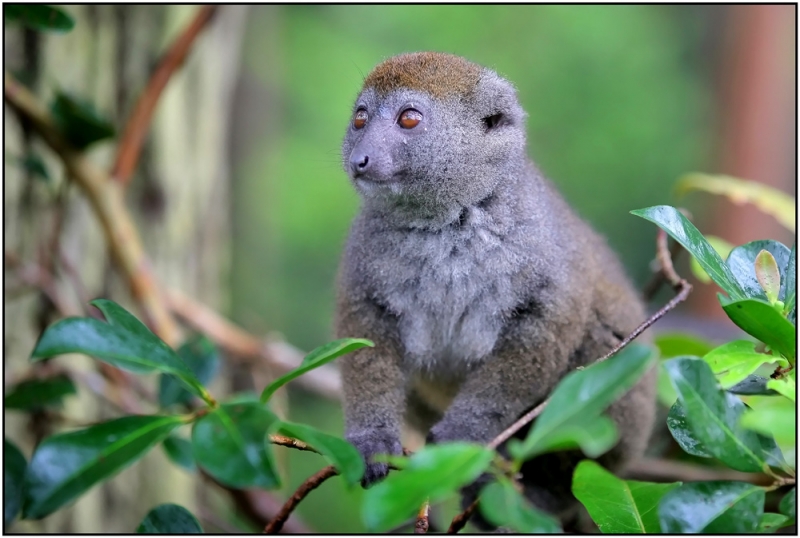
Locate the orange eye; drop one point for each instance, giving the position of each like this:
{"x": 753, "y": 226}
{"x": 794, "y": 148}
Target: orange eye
{"x": 360, "y": 119}
{"x": 409, "y": 118}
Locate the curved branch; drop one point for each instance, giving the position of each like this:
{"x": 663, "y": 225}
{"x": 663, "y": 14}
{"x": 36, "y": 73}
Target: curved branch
{"x": 131, "y": 143}
{"x": 305, "y": 488}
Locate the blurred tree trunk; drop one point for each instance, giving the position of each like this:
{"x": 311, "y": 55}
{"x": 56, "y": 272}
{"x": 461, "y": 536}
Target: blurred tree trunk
{"x": 178, "y": 196}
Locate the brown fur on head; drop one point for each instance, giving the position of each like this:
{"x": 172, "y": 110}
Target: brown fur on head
{"x": 438, "y": 74}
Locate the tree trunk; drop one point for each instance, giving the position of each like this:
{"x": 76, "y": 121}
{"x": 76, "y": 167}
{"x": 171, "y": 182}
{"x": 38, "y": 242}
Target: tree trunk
{"x": 178, "y": 196}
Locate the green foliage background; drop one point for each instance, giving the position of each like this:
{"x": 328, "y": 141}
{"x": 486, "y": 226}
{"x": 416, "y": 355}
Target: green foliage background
{"x": 618, "y": 99}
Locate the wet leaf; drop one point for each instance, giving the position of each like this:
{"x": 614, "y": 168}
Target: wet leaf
{"x": 679, "y": 428}
{"x": 618, "y": 506}
{"x": 788, "y": 505}
{"x": 752, "y": 384}
{"x": 123, "y": 342}
{"x": 718, "y": 507}
{"x": 169, "y": 519}
{"x": 65, "y": 466}
{"x": 684, "y": 232}
{"x": 712, "y": 416}
{"x": 230, "y": 444}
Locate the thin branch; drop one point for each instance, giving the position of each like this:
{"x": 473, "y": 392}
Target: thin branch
{"x": 106, "y": 199}
{"x": 132, "y": 137}
{"x": 652, "y": 287}
{"x": 291, "y": 443}
{"x": 423, "y": 519}
{"x": 274, "y": 526}
{"x": 461, "y": 519}
{"x": 658, "y": 470}
{"x": 324, "y": 381}
{"x": 257, "y": 505}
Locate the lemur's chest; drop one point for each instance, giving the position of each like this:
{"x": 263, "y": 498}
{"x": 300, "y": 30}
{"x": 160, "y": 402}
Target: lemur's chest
{"x": 450, "y": 293}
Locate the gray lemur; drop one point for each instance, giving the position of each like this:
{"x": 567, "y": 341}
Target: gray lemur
{"x": 478, "y": 284}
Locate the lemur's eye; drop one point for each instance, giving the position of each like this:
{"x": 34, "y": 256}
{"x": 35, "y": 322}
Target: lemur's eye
{"x": 409, "y": 118}
{"x": 360, "y": 119}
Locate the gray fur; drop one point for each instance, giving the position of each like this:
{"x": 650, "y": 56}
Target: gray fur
{"x": 479, "y": 285}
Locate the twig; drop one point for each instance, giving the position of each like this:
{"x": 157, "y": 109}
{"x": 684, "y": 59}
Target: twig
{"x": 681, "y": 286}
{"x": 658, "y": 470}
{"x": 422, "y": 524}
{"x": 106, "y": 199}
{"x": 132, "y": 137}
{"x": 324, "y": 381}
{"x": 257, "y": 505}
{"x": 652, "y": 287}
{"x": 461, "y": 519}
{"x": 305, "y": 488}
{"x": 291, "y": 443}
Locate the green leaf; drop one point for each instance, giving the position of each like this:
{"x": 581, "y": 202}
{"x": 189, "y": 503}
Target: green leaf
{"x": 618, "y": 506}
{"x": 761, "y": 320}
{"x": 712, "y": 416}
{"x": 789, "y": 283}
{"x": 718, "y": 507}
{"x": 339, "y": 452}
{"x": 594, "y": 435}
{"x": 788, "y": 505}
{"x": 768, "y": 199}
{"x": 179, "y": 451}
{"x": 676, "y": 344}
{"x": 502, "y": 505}
{"x": 322, "y": 355}
{"x": 734, "y": 361}
{"x": 768, "y": 275}
{"x": 771, "y": 523}
{"x": 722, "y": 247}
{"x": 675, "y": 224}
{"x": 79, "y": 120}
{"x": 65, "y": 466}
{"x": 169, "y": 519}
{"x": 776, "y": 417}
{"x": 786, "y": 386}
{"x": 742, "y": 262}
{"x": 434, "y": 473}
{"x": 201, "y": 357}
{"x": 123, "y": 342}
{"x": 583, "y": 395}
{"x": 39, "y": 393}
{"x": 679, "y": 428}
{"x": 752, "y": 384}
{"x": 38, "y": 17}
{"x": 230, "y": 443}
{"x": 14, "y": 465}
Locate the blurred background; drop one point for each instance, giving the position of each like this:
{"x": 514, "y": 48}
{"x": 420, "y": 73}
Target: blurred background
{"x": 242, "y": 203}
